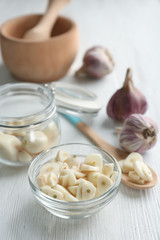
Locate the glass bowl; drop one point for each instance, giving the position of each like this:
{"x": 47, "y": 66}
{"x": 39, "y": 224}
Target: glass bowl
{"x": 72, "y": 210}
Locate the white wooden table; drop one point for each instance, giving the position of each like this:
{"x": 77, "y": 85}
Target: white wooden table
{"x": 131, "y": 30}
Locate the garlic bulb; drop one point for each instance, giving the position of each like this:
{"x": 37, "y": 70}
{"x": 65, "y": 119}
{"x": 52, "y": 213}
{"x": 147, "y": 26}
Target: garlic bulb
{"x": 127, "y": 100}
{"x": 97, "y": 62}
{"x": 138, "y": 133}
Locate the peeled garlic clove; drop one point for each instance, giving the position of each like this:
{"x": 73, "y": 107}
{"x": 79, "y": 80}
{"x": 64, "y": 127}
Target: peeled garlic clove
{"x": 85, "y": 190}
{"x": 72, "y": 161}
{"x": 67, "y": 178}
{"x": 87, "y": 168}
{"x": 9, "y": 147}
{"x": 127, "y": 100}
{"x": 128, "y": 162}
{"x": 73, "y": 189}
{"x": 79, "y": 192}
{"x": 82, "y": 180}
{"x": 24, "y": 156}
{"x": 51, "y": 131}
{"x": 17, "y": 133}
{"x": 63, "y": 166}
{"x": 134, "y": 177}
{"x": 50, "y": 167}
{"x": 34, "y": 142}
{"x": 92, "y": 177}
{"x": 41, "y": 180}
{"x": 78, "y": 174}
{"x": 138, "y": 133}
{"x": 114, "y": 176}
{"x": 63, "y": 180}
{"x": 45, "y": 189}
{"x": 95, "y": 160}
{"x": 104, "y": 183}
{"x": 143, "y": 171}
{"x": 70, "y": 198}
{"x": 107, "y": 169}
{"x": 61, "y": 189}
{"x": 51, "y": 192}
{"x": 52, "y": 179}
{"x": 62, "y": 156}
{"x": 88, "y": 191}
{"x": 56, "y": 194}
{"x": 97, "y": 63}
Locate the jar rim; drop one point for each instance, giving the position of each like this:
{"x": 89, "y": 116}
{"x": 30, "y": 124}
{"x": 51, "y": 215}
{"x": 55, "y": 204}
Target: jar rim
{"x": 9, "y": 89}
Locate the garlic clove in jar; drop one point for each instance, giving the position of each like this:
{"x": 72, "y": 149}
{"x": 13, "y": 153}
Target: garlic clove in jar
{"x": 97, "y": 62}
{"x": 52, "y": 133}
{"x": 9, "y": 147}
{"x": 34, "y": 142}
{"x": 138, "y": 133}
{"x": 127, "y": 100}
{"x": 24, "y": 156}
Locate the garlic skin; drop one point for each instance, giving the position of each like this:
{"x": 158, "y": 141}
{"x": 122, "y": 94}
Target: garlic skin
{"x": 126, "y": 100}
{"x": 97, "y": 62}
{"x": 138, "y": 133}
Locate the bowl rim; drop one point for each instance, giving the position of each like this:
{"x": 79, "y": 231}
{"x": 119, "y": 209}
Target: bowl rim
{"x": 51, "y": 200}
{"x": 29, "y": 41}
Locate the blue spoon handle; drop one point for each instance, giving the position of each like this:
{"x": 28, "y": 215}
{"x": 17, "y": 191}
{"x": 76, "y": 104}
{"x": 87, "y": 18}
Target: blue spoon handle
{"x": 97, "y": 140}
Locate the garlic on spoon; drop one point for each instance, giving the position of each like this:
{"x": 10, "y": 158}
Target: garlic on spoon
{"x": 138, "y": 133}
{"x": 127, "y": 100}
{"x": 97, "y": 62}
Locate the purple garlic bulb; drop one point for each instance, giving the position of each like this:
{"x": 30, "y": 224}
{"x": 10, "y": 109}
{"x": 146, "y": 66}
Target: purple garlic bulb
{"x": 97, "y": 62}
{"x": 127, "y": 100}
{"x": 138, "y": 133}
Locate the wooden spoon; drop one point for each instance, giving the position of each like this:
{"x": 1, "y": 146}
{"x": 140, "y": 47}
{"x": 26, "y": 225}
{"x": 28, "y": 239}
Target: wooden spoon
{"x": 117, "y": 153}
{"x": 43, "y": 29}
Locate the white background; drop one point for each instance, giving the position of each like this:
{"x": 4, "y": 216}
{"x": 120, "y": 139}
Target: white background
{"x": 131, "y": 30}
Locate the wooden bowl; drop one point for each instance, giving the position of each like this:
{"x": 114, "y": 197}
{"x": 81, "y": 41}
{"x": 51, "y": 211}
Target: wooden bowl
{"x": 40, "y": 61}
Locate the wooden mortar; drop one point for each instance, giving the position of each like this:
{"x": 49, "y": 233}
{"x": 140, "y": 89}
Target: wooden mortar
{"x": 38, "y": 61}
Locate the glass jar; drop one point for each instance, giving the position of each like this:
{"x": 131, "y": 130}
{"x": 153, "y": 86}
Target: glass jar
{"x": 28, "y": 122}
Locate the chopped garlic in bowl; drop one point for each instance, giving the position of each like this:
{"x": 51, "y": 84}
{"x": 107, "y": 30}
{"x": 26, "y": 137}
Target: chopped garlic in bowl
{"x": 74, "y": 180}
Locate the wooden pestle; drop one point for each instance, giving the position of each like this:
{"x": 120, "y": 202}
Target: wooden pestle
{"x": 42, "y": 30}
